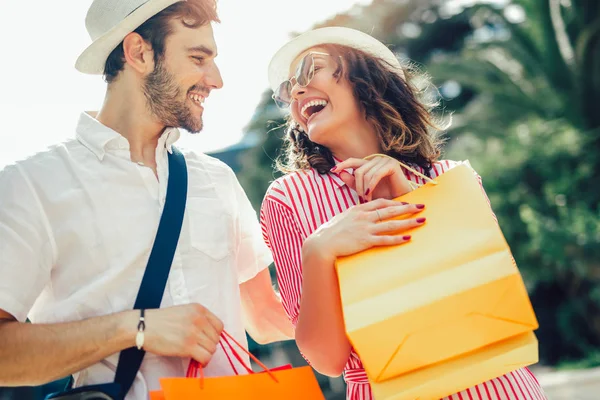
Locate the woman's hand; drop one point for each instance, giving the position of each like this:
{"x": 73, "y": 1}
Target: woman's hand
{"x": 380, "y": 177}
{"x": 320, "y": 332}
{"x": 364, "y": 226}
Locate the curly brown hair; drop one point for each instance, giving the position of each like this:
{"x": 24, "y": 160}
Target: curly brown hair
{"x": 393, "y": 105}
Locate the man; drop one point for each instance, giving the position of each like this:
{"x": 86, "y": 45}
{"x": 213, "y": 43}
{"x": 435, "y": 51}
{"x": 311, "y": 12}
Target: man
{"x": 77, "y": 222}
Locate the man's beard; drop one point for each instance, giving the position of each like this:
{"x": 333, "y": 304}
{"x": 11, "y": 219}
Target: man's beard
{"x": 166, "y": 102}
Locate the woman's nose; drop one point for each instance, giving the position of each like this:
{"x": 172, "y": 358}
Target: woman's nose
{"x": 297, "y": 90}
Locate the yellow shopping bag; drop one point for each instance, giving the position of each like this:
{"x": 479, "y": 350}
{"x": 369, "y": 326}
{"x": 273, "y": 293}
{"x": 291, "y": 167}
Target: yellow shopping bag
{"x": 453, "y": 376}
{"x": 454, "y": 289}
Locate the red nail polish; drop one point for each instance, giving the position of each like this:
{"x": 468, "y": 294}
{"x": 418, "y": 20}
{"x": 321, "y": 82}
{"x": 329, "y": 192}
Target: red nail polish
{"x": 407, "y": 237}
{"x": 333, "y": 169}
{"x": 420, "y": 206}
{"x": 420, "y": 220}
{"x": 361, "y": 199}
{"x": 367, "y": 192}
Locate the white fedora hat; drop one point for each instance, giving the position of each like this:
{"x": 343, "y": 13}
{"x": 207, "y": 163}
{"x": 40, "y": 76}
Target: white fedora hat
{"x": 108, "y": 22}
{"x": 279, "y": 67}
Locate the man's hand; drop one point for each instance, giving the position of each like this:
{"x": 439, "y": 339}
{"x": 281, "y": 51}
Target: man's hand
{"x": 62, "y": 349}
{"x": 184, "y": 331}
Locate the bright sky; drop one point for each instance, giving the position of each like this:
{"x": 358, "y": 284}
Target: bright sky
{"x": 41, "y": 94}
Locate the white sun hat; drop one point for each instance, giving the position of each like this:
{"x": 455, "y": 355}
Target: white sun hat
{"x": 279, "y": 67}
{"x": 108, "y": 22}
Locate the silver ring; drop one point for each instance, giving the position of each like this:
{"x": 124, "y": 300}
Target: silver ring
{"x": 378, "y": 215}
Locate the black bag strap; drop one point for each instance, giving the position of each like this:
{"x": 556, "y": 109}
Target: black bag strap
{"x": 159, "y": 263}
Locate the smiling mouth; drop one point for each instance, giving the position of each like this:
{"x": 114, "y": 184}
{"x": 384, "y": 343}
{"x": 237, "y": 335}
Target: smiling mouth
{"x": 197, "y": 99}
{"x": 313, "y": 107}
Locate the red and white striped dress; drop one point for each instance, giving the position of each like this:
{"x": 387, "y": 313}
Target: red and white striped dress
{"x": 295, "y": 206}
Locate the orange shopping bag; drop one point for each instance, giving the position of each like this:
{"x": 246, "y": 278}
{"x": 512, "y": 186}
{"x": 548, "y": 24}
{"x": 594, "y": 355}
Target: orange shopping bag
{"x": 278, "y": 383}
{"x": 453, "y": 290}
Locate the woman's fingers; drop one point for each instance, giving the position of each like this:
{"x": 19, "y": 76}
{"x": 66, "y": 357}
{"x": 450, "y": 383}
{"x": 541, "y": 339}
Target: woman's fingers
{"x": 380, "y": 168}
{"x": 377, "y": 240}
{"x": 348, "y": 179}
{"x": 388, "y": 233}
{"x": 385, "y": 213}
{"x": 359, "y": 176}
{"x": 377, "y": 223}
{"x": 377, "y": 204}
{"x": 395, "y": 226}
{"x": 393, "y": 211}
{"x": 351, "y": 179}
{"x": 368, "y": 174}
{"x": 353, "y": 163}
{"x": 361, "y": 168}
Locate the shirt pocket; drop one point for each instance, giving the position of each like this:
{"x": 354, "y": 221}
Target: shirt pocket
{"x": 211, "y": 228}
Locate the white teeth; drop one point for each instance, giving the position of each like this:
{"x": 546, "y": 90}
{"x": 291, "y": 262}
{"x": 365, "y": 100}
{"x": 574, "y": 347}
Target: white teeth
{"x": 197, "y": 98}
{"x": 310, "y": 104}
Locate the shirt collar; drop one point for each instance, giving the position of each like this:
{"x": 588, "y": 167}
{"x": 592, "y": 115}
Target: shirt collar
{"x": 97, "y": 137}
{"x": 168, "y": 138}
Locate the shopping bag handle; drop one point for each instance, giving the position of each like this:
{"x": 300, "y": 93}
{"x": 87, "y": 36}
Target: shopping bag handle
{"x": 229, "y": 358}
{"x": 226, "y": 337}
{"x": 412, "y": 184}
{"x": 195, "y": 368}
{"x": 235, "y": 354}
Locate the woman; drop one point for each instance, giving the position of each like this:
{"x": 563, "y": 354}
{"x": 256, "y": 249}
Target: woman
{"x": 354, "y": 115}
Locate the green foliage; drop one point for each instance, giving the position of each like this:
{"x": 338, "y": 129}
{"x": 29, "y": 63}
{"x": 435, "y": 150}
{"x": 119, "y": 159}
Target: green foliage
{"x": 547, "y": 65}
{"x": 527, "y": 118}
{"x": 531, "y": 133}
{"x": 539, "y": 177}
{"x": 258, "y": 164}
{"x": 591, "y": 361}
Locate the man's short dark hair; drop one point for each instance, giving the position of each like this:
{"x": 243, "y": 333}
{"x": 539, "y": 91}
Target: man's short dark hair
{"x": 191, "y": 13}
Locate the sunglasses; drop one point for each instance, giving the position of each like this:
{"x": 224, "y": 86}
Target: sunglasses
{"x": 305, "y": 71}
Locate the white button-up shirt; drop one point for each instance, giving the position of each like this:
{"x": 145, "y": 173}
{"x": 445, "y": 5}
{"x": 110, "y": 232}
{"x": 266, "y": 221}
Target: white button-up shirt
{"x": 77, "y": 223}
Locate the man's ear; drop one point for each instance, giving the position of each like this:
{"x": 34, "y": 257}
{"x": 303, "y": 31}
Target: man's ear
{"x": 138, "y": 53}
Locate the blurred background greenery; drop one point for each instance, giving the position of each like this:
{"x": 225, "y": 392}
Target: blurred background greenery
{"x": 521, "y": 80}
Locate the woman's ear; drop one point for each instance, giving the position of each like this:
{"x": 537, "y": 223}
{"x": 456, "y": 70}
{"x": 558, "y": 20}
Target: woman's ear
{"x": 339, "y": 71}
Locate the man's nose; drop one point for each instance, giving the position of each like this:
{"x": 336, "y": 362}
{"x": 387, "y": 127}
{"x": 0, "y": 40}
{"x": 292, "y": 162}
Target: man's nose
{"x": 213, "y": 77}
